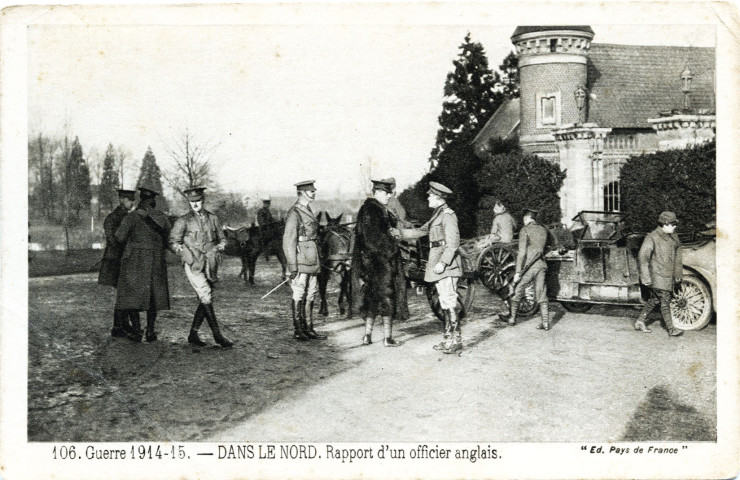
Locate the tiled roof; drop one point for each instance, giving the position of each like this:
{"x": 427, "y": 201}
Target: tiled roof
{"x": 502, "y": 123}
{"x": 631, "y": 83}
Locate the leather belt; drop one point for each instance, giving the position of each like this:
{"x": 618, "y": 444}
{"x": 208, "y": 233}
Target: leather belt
{"x": 437, "y": 243}
{"x": 301, "y": 238}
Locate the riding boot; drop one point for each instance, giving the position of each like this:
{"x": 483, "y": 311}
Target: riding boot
{"x": 455, "y": 343}
{"x": 513, "y": 310}
{"x": 640, "y": 322}
{"x": 136, "y": 333}
{"x": 367, "y": 339}
{"x": 310, "y": 332}
{"x": 119, "y": 323}
{"x": 197, "y": 322}
{"x": 388, "y": 333}
{"x": 151, "y": 318}
{"x": 303, "y": 320}
{"x": 545, "y": 317}
{"x": 210, "y": 315}
{"x": 668, "y": 319}
{"x": 295, "y": 308}
{"x": 448, "y": 332}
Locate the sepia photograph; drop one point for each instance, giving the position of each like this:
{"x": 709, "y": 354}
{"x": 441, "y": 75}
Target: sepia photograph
{"x": 369, "y": 241}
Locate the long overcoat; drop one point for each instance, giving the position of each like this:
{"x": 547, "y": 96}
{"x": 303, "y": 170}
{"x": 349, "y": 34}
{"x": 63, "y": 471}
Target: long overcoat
{"x": 143, "y": 280}
{"x": 444, "y": 240}
{"x": 660, "y": 259}
{"x": 377, "y": 260}
{"x": 110, "y": 266}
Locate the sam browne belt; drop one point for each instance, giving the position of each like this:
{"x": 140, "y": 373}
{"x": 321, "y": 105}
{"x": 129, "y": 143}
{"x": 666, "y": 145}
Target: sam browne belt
{"x": 301, "y": 238}
{"x": 437, "y": 243}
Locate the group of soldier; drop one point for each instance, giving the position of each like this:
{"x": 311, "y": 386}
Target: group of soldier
{"x": 134, "y": 262}
{"x": 137, "y": 237}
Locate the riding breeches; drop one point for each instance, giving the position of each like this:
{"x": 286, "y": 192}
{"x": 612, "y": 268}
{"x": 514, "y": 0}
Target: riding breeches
{"x": 447, "y": 290}
{"x": 304, "y": 284}
{"x": 200, "y": 284}
{"x": 532, "y": 275}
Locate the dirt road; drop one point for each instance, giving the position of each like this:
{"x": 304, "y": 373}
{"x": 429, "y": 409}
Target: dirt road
{"x": 590, "y": 378}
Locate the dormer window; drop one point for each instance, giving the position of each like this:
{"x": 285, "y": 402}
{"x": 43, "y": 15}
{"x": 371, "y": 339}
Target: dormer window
{"x": 548, "y": 110}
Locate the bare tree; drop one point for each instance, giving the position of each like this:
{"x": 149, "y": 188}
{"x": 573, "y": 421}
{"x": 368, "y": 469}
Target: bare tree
{"x": 122, "y": 161}
{"x": 191, "y": 159}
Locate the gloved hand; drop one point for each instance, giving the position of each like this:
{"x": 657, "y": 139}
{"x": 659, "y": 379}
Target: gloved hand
{"x": 142, "y": 212}
{"x": 293, "y": 275}
{"x": 517, "y": 277}
{"x": 439, "y": 268}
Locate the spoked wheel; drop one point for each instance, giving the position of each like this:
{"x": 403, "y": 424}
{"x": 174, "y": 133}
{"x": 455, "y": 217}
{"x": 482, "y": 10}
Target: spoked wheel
{"x": 691, "y": 307}
{"x": 465, "y": 294}
{"x": 528, "y": 306}
{"x": 491, "y": 265}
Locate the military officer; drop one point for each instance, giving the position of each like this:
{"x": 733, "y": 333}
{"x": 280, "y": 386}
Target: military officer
{"x": 142, "y": 283}
{"x": 264, "y": 215}
{"x": 198, "y": 238}
{"x": 300, "y": 245}
{"x": 531, "y": 267}
{"x": 110, "y": 266}
{"x": 444, "y": 266}
{"x": 661, "y": 269}
{"x": 502, "y": 228}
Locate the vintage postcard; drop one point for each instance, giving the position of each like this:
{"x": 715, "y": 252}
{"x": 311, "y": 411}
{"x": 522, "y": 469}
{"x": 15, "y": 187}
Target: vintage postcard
{"x": 369, "y": 240}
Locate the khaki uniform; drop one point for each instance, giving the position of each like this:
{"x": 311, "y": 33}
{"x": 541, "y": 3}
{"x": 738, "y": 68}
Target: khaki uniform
{"x": 661, "y": 266}
{"x": 532, "y": 242}
{"x": 300, "y": 245}
{"x": 502, "y": 228}
{"x": 197, "y": 237}
{"x": 444, "y": 240}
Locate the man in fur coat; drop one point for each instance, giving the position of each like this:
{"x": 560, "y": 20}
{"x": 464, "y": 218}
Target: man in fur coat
{"x": 378, "y": 261}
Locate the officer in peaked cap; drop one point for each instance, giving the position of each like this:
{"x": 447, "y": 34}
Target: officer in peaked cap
{"x": 444, "y": 266}
{"x": 531, "y": 267}
{"x": 110, "y": 265}
{"x": 265, "y": 218}
{"x": 300, "y": 245}
{"x": 661, "y": 270}
{"x": 198, "y": 238}
{"x": 142, "y": 283}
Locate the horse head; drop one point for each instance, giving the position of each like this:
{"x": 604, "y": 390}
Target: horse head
{"x": 335, "y": 240}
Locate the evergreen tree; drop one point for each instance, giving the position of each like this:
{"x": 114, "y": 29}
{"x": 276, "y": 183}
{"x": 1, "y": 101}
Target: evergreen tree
{"x": 77, "y": 183}
{"x": 471, "y": 98}
{"x": 149, "y": 174}
{"x": 109, "y": 180}
{"x": 510, "y": 76}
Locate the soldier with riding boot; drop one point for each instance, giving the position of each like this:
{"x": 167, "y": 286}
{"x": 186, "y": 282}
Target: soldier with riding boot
{"x": 110, "y": 265}
{"x": 661, "y": 269}
{"x": 378, "y": 262}
{"x": 198, "y": 238}
{"x": 531, "y": 267}
{"x": 444, "y": 267}
{"x": 142, "y": 283}
{"x": 300, "y": 245}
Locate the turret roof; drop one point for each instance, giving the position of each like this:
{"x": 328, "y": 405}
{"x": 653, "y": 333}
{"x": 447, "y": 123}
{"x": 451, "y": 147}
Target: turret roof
{"x": 521, "y": 30}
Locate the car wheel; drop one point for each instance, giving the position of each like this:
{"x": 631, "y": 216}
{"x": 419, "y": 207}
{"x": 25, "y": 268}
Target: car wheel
{"x": 465, "y": 295}
{"x": 691, "y": 306}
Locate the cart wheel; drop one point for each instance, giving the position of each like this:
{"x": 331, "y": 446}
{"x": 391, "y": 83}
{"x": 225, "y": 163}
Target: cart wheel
{"x": 691, "y": 307}
{"x": 491, "y": 265}
{"x": 576, "y": 307}
{"x": 465, "y": 295}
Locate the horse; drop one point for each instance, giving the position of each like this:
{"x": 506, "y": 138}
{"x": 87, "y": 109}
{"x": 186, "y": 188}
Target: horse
{"x": 248, "y": 242}
{"x": 335, "y": 252}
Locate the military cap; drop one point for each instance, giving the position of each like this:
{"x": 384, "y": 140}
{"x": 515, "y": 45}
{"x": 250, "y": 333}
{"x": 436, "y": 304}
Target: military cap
{"x": 131, "y": 194}
{"x": 266, "y": 198}
{"x": 439, "y": 190}
{"x": 385, "y": 184}
{"x": 306, "y": 186}
{"x": 667, "y": 217}
{"x": 531, "y": 210}
{"x": 193, "y": 194}
{"x": 146, "y": 192}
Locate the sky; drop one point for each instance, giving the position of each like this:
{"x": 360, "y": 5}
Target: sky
{"x": 337, "y": 104}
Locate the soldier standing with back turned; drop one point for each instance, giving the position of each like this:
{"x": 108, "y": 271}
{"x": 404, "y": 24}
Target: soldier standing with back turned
{"x": 198, "y": 238}
{"x": 300, "y": 245}
{"x": 110, "y": 266}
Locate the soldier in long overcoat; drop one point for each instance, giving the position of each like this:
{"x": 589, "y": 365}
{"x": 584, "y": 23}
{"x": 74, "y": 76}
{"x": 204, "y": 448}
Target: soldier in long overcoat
{"x": 300, "y": 245}
{"x": 377, "y": 258}
{"x": 198, "y": 238}
{"x": 444, "y": 266}
{"x": 142, "y": 283}
{"x": 110, "y": 265}
{"x": 531, "y": 267}
{"x": 661, "y": 269}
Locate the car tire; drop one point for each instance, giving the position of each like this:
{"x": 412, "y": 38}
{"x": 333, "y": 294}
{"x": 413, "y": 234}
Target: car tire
{"x": 691, "y": 306}
{"x": 576, "y": 307}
